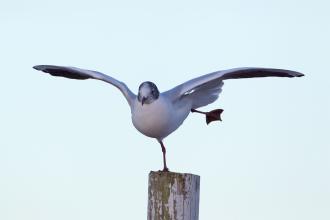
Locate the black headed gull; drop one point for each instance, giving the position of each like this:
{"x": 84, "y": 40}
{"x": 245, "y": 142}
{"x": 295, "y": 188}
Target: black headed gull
{"x": 156, "y": 114}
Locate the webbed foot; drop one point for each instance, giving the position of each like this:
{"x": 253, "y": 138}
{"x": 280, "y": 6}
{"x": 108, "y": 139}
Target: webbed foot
{"x": 214, "y": 115}
{"x": 165, "y": 170}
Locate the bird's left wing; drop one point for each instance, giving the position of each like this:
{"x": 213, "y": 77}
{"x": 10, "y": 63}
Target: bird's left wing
{"x": 77, "y": 73}
{"x": 205, "y": 89}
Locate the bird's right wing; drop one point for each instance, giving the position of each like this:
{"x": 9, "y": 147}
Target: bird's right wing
{"x": 77, "y": 73}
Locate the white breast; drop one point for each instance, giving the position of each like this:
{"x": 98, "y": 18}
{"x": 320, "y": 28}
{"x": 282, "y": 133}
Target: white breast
{"x": 158, "y": 119}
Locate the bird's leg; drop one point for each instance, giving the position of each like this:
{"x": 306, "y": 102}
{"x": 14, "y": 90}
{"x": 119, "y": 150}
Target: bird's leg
{"x": 214, "y": 115}
{"x": 165, "y": 169}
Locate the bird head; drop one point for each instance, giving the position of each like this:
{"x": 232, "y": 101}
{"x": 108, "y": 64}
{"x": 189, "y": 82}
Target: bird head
{"x": 148, "y": 93}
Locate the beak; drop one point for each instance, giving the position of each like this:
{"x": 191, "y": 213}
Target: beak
{"x": 143, "y": 100}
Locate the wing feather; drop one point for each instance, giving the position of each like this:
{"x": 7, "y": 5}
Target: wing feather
{"x": 82, "y": 74}
{"x": 205, "y": 89}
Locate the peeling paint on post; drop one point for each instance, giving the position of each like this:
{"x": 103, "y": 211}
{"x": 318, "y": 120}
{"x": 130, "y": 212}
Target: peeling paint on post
{"x": 173, "y": 196}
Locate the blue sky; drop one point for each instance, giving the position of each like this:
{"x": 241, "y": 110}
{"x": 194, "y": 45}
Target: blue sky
{"x": 68, "y": 149}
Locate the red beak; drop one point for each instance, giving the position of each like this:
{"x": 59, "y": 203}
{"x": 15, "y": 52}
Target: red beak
{"x": 143, "y": 100}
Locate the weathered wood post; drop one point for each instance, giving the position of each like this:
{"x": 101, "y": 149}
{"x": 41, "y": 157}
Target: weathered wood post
{"x": 173, "y": 196}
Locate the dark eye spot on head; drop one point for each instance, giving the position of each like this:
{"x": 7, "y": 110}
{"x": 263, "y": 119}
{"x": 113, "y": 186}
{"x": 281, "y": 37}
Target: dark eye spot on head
{"x": 154, "y": 91}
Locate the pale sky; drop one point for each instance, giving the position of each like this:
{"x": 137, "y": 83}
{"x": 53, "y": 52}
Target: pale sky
{"x": 68, "y": 149}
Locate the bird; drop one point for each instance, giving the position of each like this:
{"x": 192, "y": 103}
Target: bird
{"x": 157, "y": 114}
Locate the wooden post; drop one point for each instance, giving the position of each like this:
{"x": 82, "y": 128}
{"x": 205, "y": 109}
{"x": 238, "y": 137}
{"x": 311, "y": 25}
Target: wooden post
{"x": 173, "y": 196}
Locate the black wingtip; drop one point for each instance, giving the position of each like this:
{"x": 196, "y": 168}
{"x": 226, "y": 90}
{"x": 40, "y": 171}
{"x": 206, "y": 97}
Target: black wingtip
{"x": 293, "y": 74}
{"x": 298, "y": 74}
{"x": 38, "y": 67}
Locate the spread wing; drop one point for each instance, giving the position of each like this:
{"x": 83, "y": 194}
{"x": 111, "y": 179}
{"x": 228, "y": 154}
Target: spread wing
{"x": 205, "y": 89}
{"x": 77, "y": 73}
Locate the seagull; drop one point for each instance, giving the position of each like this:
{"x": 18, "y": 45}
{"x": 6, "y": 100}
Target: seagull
{"x": 157, "y": 114}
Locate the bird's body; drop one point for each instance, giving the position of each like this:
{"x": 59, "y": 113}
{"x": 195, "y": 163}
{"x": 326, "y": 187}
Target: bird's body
{"x": 156, "y": 114}
{"x": 160, "y": 118}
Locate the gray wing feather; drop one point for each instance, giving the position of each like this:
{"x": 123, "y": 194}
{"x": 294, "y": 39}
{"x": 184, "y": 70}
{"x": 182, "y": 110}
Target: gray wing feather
{"x": 204, "y": 94}
{"x": 205, "y": 89}
{"x": 82, "y": 74}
